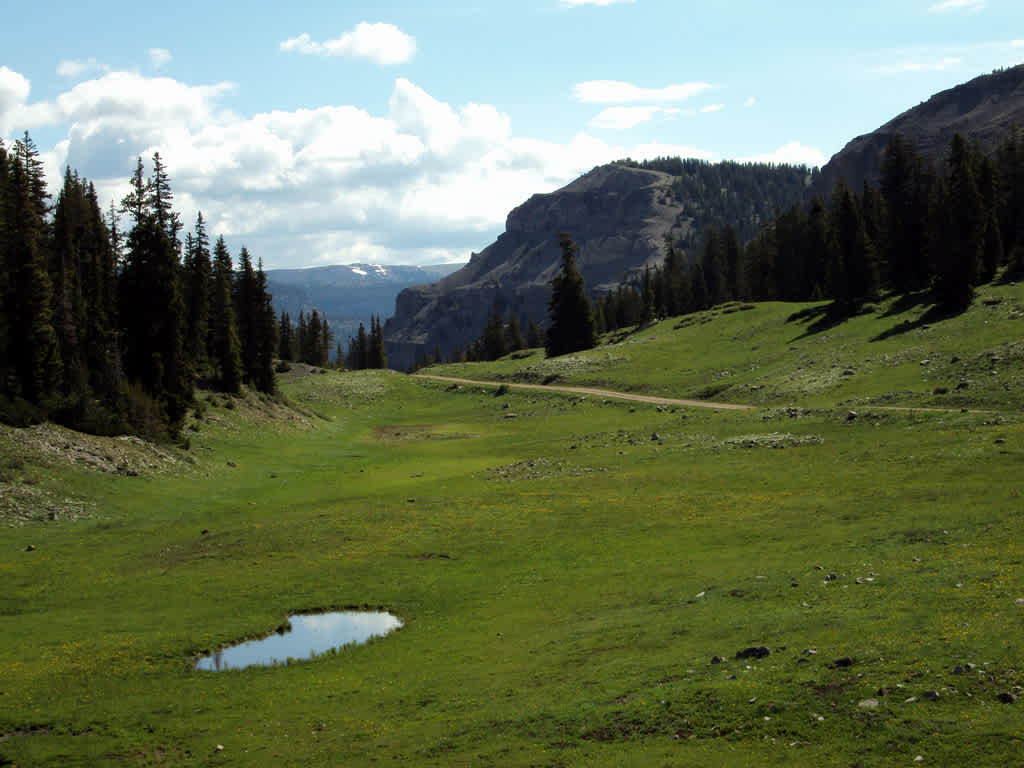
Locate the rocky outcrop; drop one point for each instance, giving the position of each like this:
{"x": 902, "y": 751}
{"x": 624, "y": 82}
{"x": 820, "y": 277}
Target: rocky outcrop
{"x": 983, "y": 110}
{"x": 618, "y": 217}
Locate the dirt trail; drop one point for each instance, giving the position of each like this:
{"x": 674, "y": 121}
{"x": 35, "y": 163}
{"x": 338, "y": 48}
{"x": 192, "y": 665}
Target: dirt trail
{"x": 594, "y": 392}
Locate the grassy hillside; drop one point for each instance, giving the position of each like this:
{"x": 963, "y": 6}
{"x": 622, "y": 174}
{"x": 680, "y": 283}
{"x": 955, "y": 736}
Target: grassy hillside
{"x": 567, "y": 568}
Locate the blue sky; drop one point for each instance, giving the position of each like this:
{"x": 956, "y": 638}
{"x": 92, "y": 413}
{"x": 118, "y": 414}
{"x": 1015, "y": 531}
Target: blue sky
{"x": 404, "y": 132}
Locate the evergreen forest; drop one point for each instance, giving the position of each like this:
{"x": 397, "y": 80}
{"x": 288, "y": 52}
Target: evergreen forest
{"x": 111, "y": 330}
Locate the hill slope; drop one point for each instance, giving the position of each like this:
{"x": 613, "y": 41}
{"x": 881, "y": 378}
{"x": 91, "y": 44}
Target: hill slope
{"x": 982, "y": 109}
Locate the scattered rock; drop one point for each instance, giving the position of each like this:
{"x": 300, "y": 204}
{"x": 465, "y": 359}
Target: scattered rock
{"x": 919, "y": 759}
{"x": 851, "y": 415}
{"x": 717, "y": 660}
{"x": 846, "y": 661}
{"x": 655, "y": 436}
{"x": 1019, "y": 601}
{"x": 810, "y": 652}
{"x": 699, "y": 594}
{"x": 911, "y": 700}
{"x": 954, "y": 359}
{"x": 219, "y": 748}
{"x": 411, "y": 500}
{"x": 932, "y": 695}
{"x": 926, "y": 362}
{"x": 831, "y": 577}
{"x": 273, "y": 475}
{"x": 849, "y": 372}
{"x": 232, "y": 465}
{"x": 882, "y": 692}
{"x": 204, "y": 531}
{"x": 30, "y": 548}
{"x": 1007, "y": 698}
{"x": 754, "y": 652}
{"x": 511, "y": 416}
{"x": 868, "y": 704}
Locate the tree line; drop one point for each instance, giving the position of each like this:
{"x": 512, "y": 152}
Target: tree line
{"x": 941, "y": 229}
{"x": 111, "y": 331}
{"x": 938, "y": 228}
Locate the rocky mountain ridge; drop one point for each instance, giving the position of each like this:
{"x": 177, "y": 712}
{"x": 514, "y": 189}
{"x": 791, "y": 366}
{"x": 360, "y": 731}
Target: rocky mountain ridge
{"x": 982, "y": 109}
{"x": 618, "y": 216}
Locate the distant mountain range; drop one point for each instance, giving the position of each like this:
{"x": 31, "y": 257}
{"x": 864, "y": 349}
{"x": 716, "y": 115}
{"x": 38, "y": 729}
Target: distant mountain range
{"x": 348, "y": 294}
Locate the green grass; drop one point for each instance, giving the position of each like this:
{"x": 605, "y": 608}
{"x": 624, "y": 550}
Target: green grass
{"x": 564, "y": 579}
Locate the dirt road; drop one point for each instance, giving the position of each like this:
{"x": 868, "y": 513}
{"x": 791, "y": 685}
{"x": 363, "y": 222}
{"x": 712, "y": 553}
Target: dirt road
{"x": 594, "y": 393}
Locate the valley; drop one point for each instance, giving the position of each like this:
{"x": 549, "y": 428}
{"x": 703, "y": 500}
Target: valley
{"x": 581, "y": 580}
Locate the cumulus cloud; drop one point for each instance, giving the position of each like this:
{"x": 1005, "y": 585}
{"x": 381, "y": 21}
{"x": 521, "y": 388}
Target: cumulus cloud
{"x": 77, "y": 67}
{"x": 158, "y": 57}
{"x": 622, "y": 118}
{"x": 617, "y": 92}
{"x": 385, "y": 44}
{"x": 971, "y": 6}
{"x": 16, "y": 114}
{"x": 713, "y": 108}
{"x": 793, "y": 153}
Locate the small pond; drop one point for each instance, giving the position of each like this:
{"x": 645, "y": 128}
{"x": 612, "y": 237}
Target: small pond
{"x": 310, "y": 635}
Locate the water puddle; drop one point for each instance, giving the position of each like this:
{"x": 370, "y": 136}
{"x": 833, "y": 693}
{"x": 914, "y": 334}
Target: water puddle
{"x": 310, "y": 635}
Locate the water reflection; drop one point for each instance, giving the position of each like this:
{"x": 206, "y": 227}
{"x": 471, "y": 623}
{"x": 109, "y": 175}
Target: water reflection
{"x": 309, "y": 636}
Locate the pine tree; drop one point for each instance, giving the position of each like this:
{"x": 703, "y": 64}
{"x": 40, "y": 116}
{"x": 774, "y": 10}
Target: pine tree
{"x": 266, "y": 335}
{"x": 197, "y": 285}
{"x": 957, "y": 274}
{"x": 572, "y": 318}
{"x": 534, "y": 335}
{"x": 224, "y": 347}
{"x": 514, "y": 337}
{"x": 286, "y": 335}
{"x": 33, "y": 348}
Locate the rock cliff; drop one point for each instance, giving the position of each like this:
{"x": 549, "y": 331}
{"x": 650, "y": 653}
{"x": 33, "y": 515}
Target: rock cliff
{"x": 618, "y": 217}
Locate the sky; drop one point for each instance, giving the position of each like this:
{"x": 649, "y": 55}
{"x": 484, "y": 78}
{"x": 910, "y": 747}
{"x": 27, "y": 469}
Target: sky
{"x": 404, "y": 131}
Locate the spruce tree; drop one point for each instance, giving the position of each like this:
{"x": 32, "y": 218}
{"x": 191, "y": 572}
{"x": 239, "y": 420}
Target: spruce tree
{"x": 198, "y": 282}
{"x": 572, "y": 318}
{"x": 957, "y": 273}
{"x": 224, "y": 347}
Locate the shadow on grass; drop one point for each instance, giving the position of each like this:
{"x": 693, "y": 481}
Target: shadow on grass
{"x": 821, "y": 318}
{"x": 933, "y": 315}
{"x": 909, "y": 301}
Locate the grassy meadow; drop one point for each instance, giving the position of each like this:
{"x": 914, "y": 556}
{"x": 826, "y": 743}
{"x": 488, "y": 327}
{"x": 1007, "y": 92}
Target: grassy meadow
{"x": 576, "y": 575}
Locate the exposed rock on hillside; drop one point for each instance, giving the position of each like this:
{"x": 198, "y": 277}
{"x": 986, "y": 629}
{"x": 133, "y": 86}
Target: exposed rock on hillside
{"x": 618, "y": 217}
{"x": 983, "y": 110}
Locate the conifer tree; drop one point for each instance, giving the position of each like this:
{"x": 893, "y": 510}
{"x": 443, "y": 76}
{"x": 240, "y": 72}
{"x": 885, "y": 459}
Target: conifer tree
{"x": 572, "y": 318}
{"x": 224, "y": 347}
{"x": 198, "y": 278}
{"x": 957, "y": 272}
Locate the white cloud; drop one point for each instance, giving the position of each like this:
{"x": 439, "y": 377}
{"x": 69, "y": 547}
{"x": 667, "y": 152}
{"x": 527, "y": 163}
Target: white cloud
{"x": 623, "y": 118}
{"x": 793, "y": 153}
{"x": 76, "y": 67}
{"x": 385, "y": 44}
{"x": 16, "y": 114}
{"x": 751, "y": 101}
{"x": 578, "y": 3}
{"x": 617, "y": 92}
{"x": 713, "y": 108}
{"x": 158, "y": 57}
{"x": 971, "y": 6}
{"x": 920, "y": 64}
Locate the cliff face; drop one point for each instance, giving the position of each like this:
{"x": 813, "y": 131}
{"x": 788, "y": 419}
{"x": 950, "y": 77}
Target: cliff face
{"x": 618, "y": 217}
{"x": 982, "y": 110}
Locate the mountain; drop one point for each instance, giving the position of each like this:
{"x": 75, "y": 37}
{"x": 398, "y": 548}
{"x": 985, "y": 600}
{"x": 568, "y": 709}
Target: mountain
{"x": 348, "y": 294}
{"x": 983, "y": 110}
{"x": 618, "y": 214}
